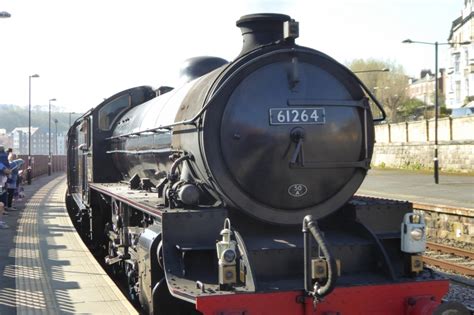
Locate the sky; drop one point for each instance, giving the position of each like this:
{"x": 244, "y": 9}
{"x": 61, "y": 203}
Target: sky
{"x": 88, "y": 50}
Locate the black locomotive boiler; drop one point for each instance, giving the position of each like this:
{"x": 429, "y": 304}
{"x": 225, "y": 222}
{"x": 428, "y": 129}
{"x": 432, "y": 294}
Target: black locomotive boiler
{"x": 198, "y": 194}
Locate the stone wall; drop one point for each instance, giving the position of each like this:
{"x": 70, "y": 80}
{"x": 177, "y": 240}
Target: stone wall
{"x": 411, "y": 144}
{"x": 445, "y": 226}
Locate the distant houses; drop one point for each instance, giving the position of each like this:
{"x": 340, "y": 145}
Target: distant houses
{"x": 39, "y": 141}
{"x": 460, "y": 71}
{"x": 456, "y": 82}
{"x": 4, "y": 138}
{"x": 423, "y": 88}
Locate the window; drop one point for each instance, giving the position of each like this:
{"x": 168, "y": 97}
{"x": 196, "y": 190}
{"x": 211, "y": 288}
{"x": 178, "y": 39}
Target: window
{"x": 456, "y": 63}
{"x": 458, "y": 92}
{"x": 467, "y": 87}
{"x": 85, "y": 131}
{"x": 109, "y": 112}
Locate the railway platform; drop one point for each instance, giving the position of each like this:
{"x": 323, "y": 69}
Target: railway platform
{"x": 45, "y": 268}
{"x": 456, "y": 191}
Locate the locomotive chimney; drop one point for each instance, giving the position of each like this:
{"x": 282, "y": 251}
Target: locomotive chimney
{"x": 263, "y": 29}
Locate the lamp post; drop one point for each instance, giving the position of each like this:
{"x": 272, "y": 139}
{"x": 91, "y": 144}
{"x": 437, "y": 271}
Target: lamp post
{"x": 28, "y": 169}
{"x": 56, "y": 137}
{"x": 435, "y": 44}
{"x": 49, "y": 135}
{"x": 373, "y": 70}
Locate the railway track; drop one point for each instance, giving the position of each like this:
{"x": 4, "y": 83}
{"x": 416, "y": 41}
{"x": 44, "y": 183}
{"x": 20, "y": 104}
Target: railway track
{"x": 450, "y": 258}
{"x": 456, "y": 260}
{"x": 443, "y": 256}
{"x": 460, "y": 211}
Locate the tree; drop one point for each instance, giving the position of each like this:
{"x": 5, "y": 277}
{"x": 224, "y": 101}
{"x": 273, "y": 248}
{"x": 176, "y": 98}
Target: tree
{"x": 443, "y": 110}
{"x": 13, "y": 116}
{"x": 412, "y": 108}
{"x": 390, "y": 88}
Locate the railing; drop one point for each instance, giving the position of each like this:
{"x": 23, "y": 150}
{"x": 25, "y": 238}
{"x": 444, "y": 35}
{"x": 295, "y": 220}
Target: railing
{"x": 39, "y": 165}
{"x": 423, "y": 131}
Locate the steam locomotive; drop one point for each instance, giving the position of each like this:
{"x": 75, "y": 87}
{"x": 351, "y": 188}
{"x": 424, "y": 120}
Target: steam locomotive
{"x": 233, "y": 193}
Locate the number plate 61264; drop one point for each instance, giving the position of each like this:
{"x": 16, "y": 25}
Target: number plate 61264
{"x": 285, "y": 116}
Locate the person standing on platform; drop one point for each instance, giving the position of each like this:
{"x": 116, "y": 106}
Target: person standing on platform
{"x": 15, "y": 165}
{"x": 4, "y": 173}
{"x": 3, "y": 224}
{"x": 4, "y": 156}
{"x": 19, "y": 192}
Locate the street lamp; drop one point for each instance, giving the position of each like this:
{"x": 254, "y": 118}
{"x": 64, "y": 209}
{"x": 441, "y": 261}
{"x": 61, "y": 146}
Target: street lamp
{"x": 49, "y": 135}
{"x": 56, "y": 138}
{"x": 28, "y": 170}
{"x": 435, "y": 44}
{"x": 373, "y": 70}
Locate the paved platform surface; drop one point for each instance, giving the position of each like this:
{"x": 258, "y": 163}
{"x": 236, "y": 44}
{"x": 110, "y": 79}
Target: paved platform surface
{"x": 452, "y": 190}
{"x": 45, "y": 268}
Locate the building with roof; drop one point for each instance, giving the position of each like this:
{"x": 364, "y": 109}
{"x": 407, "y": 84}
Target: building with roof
{"x": 39, "y": 141}
{"x": 423, "y": 88}
{"x": 4, "y": 138}
{"x": 20, "y": 140}
{"x": 460, "y": 72}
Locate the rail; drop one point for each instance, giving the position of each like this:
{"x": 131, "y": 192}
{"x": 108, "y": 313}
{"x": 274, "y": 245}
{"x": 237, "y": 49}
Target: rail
{"x": 450, "y": 250}
{"x": 447, "y": 262}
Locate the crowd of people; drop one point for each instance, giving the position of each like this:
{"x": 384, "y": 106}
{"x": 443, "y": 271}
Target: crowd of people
{"x": 10, "y": 182}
